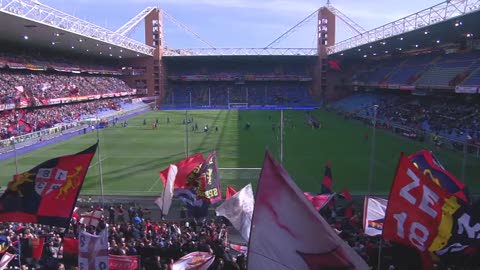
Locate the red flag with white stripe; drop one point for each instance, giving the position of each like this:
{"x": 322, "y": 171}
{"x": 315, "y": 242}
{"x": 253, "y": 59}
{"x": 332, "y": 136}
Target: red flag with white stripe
{"x": 288, "y": 233}
{"x": 6, "y": 258}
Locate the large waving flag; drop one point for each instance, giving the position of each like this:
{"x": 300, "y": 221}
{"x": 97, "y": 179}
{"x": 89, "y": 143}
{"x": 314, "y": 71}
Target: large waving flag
{"x": 419, "y": 212}
{"x": 374, "y": 215}
{"x": 35, "y": 196}
{"x": 209, "y": 181}
{"x": 327, "y": 180}
{"x": 185, "y": 168}
{"x": 165, "y": 201}
{"x": 194, "y": 261}
{"x": 349, "y": 207}
{"x": 93, "y": 251}
{"x": 433, "y": 169}
{"x": 288, "y": 233}
{"x": 238, "y": 210}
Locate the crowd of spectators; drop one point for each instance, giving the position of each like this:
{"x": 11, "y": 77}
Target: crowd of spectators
{"x": 19, "y": 122}
{"x": 454, "y": 118}
{"x": 130, "y": 232}
{"x": 159, "y": 243}
{"x": 45, "y": 86}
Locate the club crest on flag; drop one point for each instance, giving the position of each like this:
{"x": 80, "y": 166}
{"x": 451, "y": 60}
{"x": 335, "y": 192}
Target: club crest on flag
{"x": 50, "y": 179}
{"x": 19, "y": 180}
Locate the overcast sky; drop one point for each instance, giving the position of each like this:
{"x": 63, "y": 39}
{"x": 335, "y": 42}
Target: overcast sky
{"x": 240, "y": 23}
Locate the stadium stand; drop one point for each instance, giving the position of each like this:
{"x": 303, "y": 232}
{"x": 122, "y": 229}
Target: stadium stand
{"x": 431, "y": 70}
{"x": 213, "y": 83}
{"x": 447, "y": 116}
{"x": 19, "y": 122}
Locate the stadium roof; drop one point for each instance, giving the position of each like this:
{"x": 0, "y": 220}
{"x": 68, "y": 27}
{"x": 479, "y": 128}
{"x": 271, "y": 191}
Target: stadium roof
{"x": 242, "y": 52}
{"x": 26, "y": 21}
{"x": 439, "y": 22}
{"x": 439, "y": 35}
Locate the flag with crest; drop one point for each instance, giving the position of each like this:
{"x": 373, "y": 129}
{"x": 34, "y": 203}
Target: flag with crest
{"x": 35, "y": 196}
{"x": 209, "y": 181}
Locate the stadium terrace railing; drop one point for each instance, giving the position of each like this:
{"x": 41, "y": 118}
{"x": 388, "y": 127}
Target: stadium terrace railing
{"x": 38, "y": 136}
{"x": 40, "y": 13}
{"x": 241, "y": 52}
{"x": 429, "y": 16}
{"x": 32, "y": 138}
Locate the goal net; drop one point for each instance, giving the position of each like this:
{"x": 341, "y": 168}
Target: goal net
{"x": 242, "y": 176}
{"x": 233, "y": 106}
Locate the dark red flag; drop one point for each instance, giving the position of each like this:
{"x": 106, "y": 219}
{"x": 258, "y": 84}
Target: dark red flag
{"x": 349, "y": 207}
{"x": 37, "y": 247}
{"x": 230, "y": 192}
{"x": 70, "y": 245}
{"x": 185, "y": 167}
{"x": 327, "y": 180}
{"x": 35, "y": 196}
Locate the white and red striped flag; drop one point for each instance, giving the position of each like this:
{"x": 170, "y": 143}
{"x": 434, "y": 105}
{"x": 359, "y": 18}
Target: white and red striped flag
{"x": 165, "y": 201}
{"x": 288, "y": 233}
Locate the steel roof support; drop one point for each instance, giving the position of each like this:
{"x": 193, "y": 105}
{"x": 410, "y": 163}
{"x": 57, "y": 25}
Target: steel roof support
{"x": 429, "y": 16}
{"x": 40, "y": 13}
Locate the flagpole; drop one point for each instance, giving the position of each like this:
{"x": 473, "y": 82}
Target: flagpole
{"x": 100, "y": 166}
{"x": 15, "y": 154}
{"x": 372, "y": 150}
{"x": 281, "y": 137}
{"x": 20, "y": 252}
{"x": 379, "y": 267}
{"x": 186, "y": 134}
{"x": 464, "y": 161}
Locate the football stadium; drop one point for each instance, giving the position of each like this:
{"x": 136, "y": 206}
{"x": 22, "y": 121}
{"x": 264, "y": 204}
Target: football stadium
{"x": 119, "y": 152}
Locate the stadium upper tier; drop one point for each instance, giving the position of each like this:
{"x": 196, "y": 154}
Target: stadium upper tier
{"x": 459, "y": 71}
{"x": 23, "y": 89}
{"x": 39, "y": 62}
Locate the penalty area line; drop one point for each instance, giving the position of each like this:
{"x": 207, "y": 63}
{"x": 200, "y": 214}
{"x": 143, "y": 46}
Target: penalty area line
{"x": 154, "y": 184}
{"x": 95, "y": 164}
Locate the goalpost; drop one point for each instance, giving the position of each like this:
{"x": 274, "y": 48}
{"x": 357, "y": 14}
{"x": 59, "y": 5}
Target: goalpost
{"x": 237, "y": 105}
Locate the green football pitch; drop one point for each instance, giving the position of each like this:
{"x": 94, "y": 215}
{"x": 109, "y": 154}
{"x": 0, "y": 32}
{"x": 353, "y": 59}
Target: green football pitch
{"x": 132, "y": 157}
